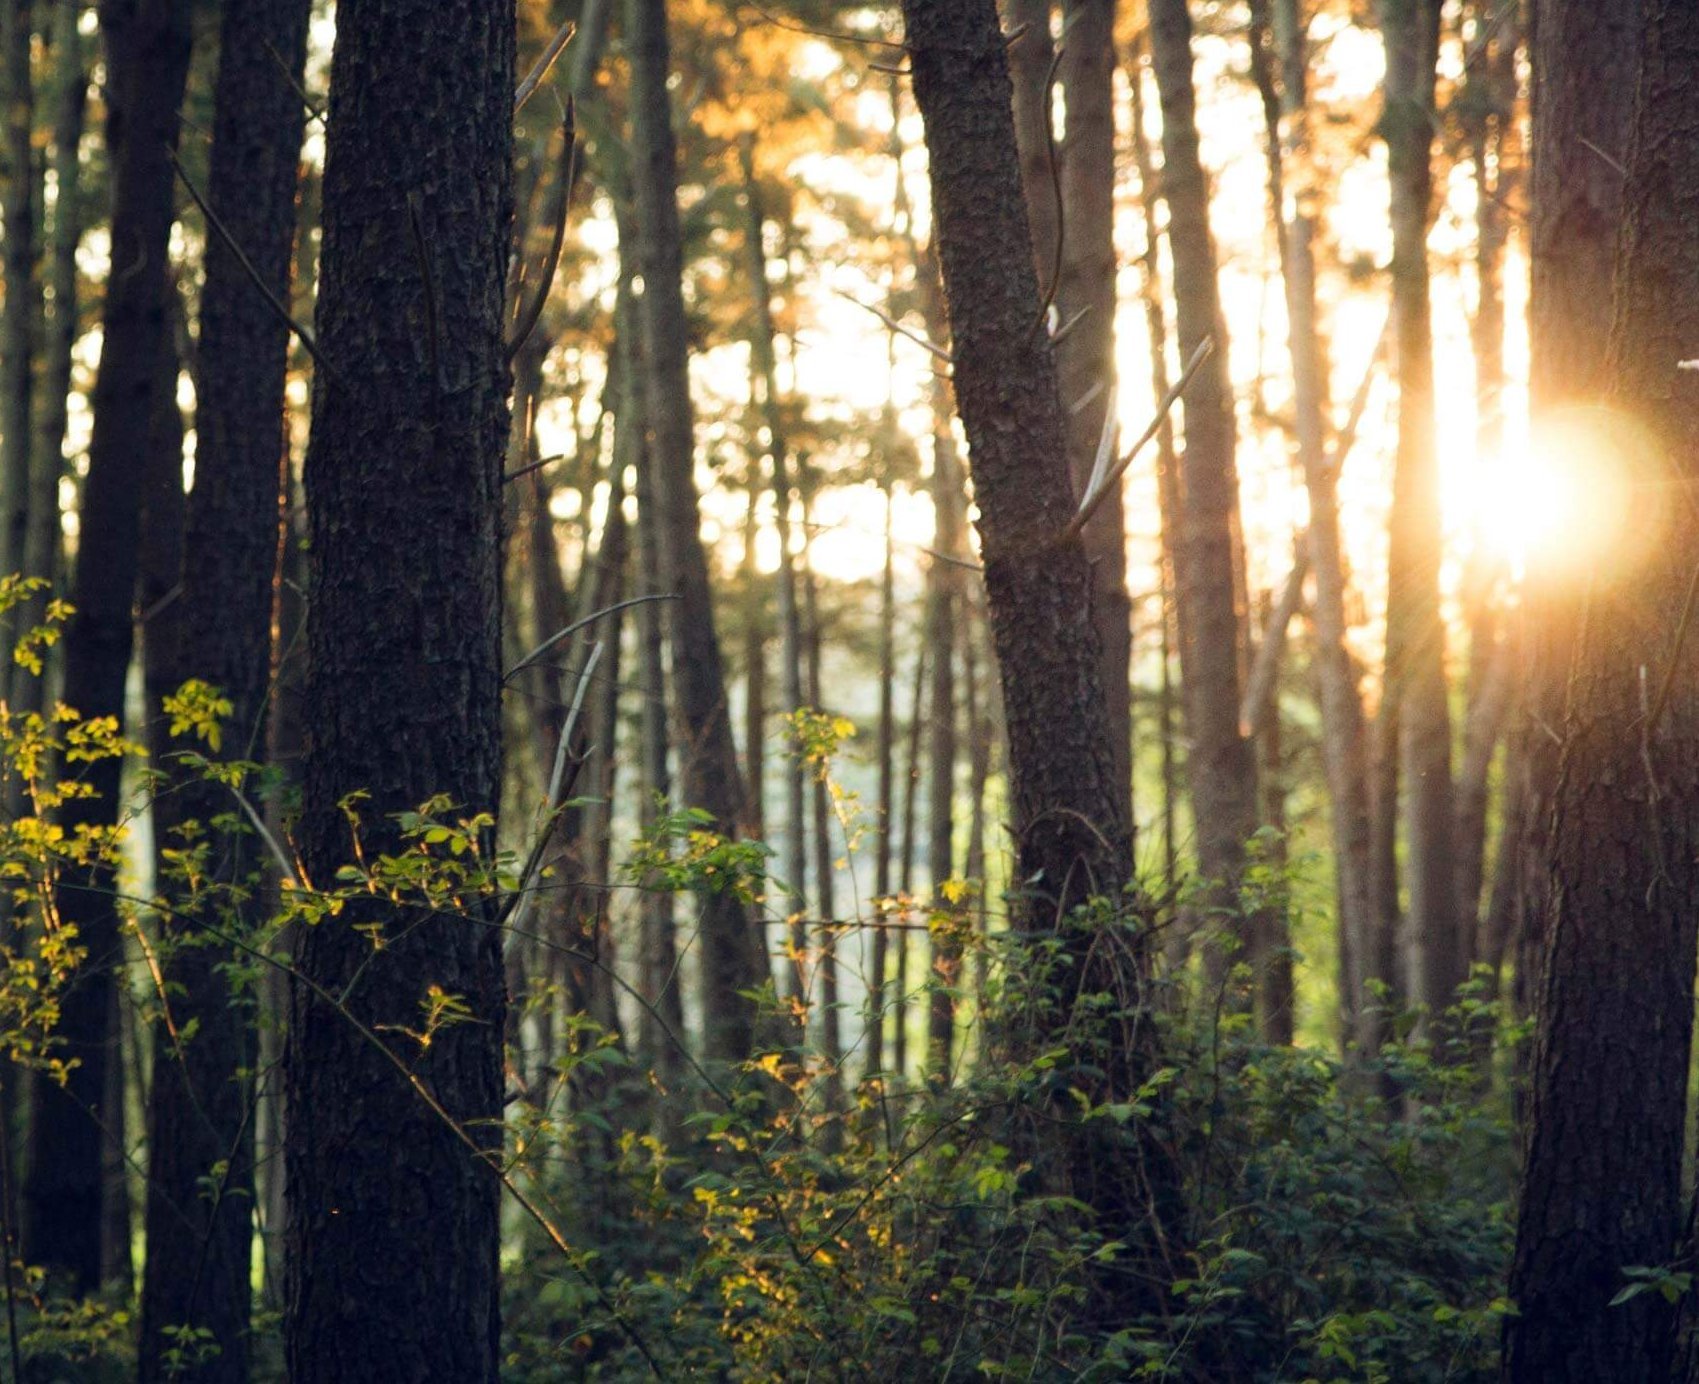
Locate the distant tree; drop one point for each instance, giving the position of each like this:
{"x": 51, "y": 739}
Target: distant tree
{"x": 147, "y": 55}
{"x": 733, "y": 955}
{"x": 393, "y": 1227}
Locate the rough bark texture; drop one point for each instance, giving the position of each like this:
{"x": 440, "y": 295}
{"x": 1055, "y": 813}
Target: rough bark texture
{"x": 1086, "y": 357}
{"x": 22, "y": 307}
{"x": 393, "y": 1226}
{"x": 1222, "y": 766}
{"x": 1602, "y": 1180}
{"x": 1071, "y": 841}
{"x": 1032, "y": 63}
{"x": 198, "y": 1119}
{"x": 1415, "y": 658}
{"x": 733, "y": 954}
{"x": 148, "y": 57}
{"x": 1585, "y": 61}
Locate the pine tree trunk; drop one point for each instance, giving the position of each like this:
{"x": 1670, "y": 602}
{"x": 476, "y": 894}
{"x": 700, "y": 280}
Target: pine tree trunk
{"x": 148, "y": 61}
{"x": 20, "y": 315}
{"x": 1221, "y": 763}
{"x": 1086, "y": 356}
{"x": 732, "y": 951}
{"x": 1586, "y": 62}
{"x": 393, "y": 1241}
{"x": 1415, "y": 661}
{"x": 199, "y": 1126}
{"x": 905, "y": 874}
{"x": 885, "y": 755}
{"x": 1602, "y": 1184}
{"x": 1071, "y": 842}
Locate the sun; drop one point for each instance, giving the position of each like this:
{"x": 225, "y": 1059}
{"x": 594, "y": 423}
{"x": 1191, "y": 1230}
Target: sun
{"x": 1576, "y": 500}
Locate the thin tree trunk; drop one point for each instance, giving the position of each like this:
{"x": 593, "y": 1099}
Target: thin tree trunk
{"x": 148, "y": 58}
{"x": 1273, "y": 952}
{"x": 1221, "y": 763}
{"x": 1602, "y": 1181}
{"x": 1032, "y": 72}
{"x": 1415, "y": 663}
{"x": 733, "y": 955}
{"x": 885, "y": 755}
{"x": 1086, "y": 357}
{"x": 825, "y": 874}
{"x": 394, "y": 1243}
{"x": 905, "y": 876}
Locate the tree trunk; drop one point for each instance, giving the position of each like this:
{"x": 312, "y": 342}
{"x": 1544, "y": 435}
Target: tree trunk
{"x": 22, "y": 309}
{"x": 1601, "y": 1188}
{"x": 1086, "y": 357}
{"x": 825, "y": 874}
{"x": 148, "y": 58}
{"x": 393, "y": 1242}
{"x": 1585, "y": 61}
{"x": 1343, "y": 732}
{"x": 905, "y": 875}
{"x": 733, "y": 955}
{"x": 1221, "y": 763}
{"x": 1071, "y": 842}
{"x": 200, "y": 1132}
{"x": 1032, "y": 71}
{"x": 1415, "y": 663}
{"x": 885, "y": 755}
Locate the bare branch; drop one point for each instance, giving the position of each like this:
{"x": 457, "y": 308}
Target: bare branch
{"x": 542, "y": 67}
{"x": 533, "y": 312}
{"x": 898, "y": 327}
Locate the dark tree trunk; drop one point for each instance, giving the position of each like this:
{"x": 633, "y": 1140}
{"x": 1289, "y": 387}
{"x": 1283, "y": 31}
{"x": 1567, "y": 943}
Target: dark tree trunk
{"x": 1071, "y": 841}
{"x": 1601, "y": 1186}
{"x": 148, "y": 58}
{"x": 200, "y": 1130}
{"x": 905, "y": 871}
{"x": 1585, "y": 61}
{"x": 733, "y": 955}
{"x": 1221, "y": 763}
{"x": 1086, "y": 357}
{"x": 19, "y": 318}
{"x": 393, "y": 1241}
{"x": 885, "y": 755}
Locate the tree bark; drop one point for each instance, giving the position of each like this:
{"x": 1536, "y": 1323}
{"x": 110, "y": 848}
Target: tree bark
{"x": 1086, "y": 357}
{"x": 1221, "y": 763}
{"x": 21, "y": 313}
{"x": 198, "y": 1257}
{"x": 1071, "y": 842}
{"x": 1601, "y": 1187}
{"x": 393, "y": 1241}
{"x": 733, "y": 952}
{"x": 1585, "y": 61}
{"x": 148, "y": 58}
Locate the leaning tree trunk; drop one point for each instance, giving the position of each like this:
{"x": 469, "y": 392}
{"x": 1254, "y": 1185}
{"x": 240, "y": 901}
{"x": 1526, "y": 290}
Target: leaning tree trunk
{"x": 1086, "y": 357}
{"x": 733, "y": 954}
{"x": 1221, "y": 762}
{"x": 1601, "y": 1187}
{"x": 393, "y": 1241}
{"x": 1071, "y": 841}
{"x": 148, "y": 58}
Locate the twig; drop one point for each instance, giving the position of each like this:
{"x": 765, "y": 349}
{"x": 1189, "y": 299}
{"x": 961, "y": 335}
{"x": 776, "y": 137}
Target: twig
{"x": 528, "y": 319}
{"x": 312, "y": 107}
{"x": 302, "y": 333}
{"x": 1105, "y": 445}
{"x": 551, "y": 798}
{"x": 534, "y": 466}
{"x": 577, "y": 625}
{"x": 898, "y": 327}
{"x": 1205, "y": 349}
{"x": 542, "y": 67}
{"x": 433, "y": 337}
